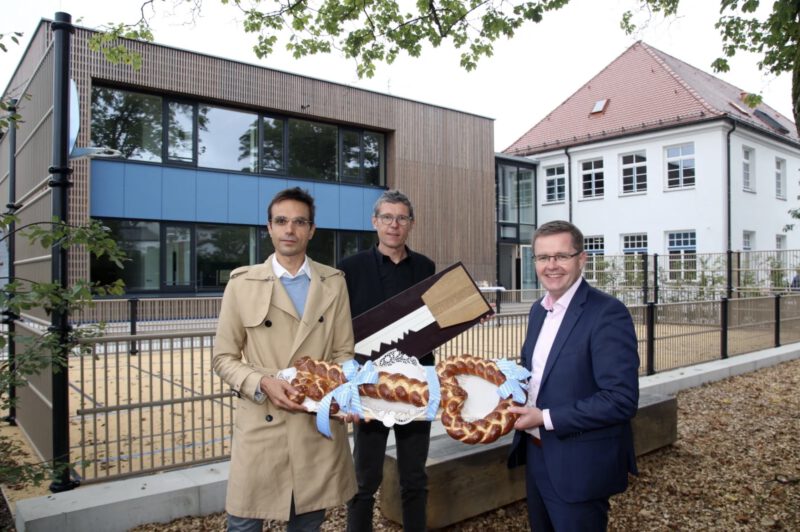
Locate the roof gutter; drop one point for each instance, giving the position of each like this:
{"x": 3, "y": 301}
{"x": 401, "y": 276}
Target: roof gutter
{"x": 636, "y": 132}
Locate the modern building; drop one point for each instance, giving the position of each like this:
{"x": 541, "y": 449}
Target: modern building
{"x": 653, "y": 155}
{"x": 206, "y": 142}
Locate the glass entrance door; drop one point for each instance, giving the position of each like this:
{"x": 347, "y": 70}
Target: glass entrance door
{"x": 528, "y": 285}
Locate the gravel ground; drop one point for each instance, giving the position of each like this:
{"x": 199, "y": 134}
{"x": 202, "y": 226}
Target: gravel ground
{"x": 735, "y": 466}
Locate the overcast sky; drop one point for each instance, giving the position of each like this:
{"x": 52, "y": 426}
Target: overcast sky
{"x": 526, "y": 78}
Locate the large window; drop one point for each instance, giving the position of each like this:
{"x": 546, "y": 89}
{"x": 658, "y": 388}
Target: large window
{"x": 592, "y": 181}
{"x": 312, "y": 150}
{"x": 180, "y": 131}
{"x": 227, "y": 139}
{"x": 141, "y": 243}
{"x": 748, "y": 240}
{"x": 554, "y": 183}
{"x": 748, "y": 167}
{"x": 516, "y": 213}
{"x": 634, "y": 247}
{"x": 188, "y": 258}
{"x": 682, "y": 249}
{"x": 595, "y": 265}
{"x": 221, "y": 249}
{"x": 128, "y": 122}
{"x": 680, "y": 166}
{"x": 634, "y": 172}
{"x": 780, "y": 178}
{"x": 146, "y": 127}
{"x": 507, "y": 193}
{"x": 272, "y": 144}
{"x": 361, "y": 156}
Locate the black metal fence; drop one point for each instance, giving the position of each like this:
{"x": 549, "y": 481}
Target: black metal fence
{"x": 676, "y": 277}
{"x": 150, "y": 402}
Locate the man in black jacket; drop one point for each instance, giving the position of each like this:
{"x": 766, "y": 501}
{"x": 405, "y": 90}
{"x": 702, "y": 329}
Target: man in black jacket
{"x": 372, "y": 277}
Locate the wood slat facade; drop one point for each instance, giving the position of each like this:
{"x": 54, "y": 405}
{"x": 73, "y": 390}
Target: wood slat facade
{"x": 443, "y": 159}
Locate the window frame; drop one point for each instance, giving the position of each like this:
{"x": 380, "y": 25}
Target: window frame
{"x": 634, "y": 165}
{"x": 682, "y": 255}
{"x": 780, "y": 178}
{"x": 748, "y": 169}
{"x": 556, "y": 178}
{"x": 596, "y": 176}
{"x": 680, "y": 158}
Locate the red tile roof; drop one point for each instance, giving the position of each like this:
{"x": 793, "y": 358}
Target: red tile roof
{"x": 646, "y": 89}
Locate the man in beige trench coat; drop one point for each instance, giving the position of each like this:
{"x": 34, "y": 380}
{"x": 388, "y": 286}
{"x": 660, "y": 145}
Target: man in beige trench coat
{"x": 272, "y": 314}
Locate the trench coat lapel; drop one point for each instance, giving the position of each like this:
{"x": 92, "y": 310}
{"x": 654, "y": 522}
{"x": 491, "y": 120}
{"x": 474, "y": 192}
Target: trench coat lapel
{"x": 320, "y": 297}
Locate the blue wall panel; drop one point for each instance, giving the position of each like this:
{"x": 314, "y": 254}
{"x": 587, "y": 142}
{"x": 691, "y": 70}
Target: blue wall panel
{"x": 179, "y": 188}
{"x": 143, "y": 191}
{"x": 134, "y": 190}
{"x": 371, "y": 195}
{"x": 351, "y": 208}
{"x": 212, "y": 197}
{"x": 107, "y": 192}
{"x": 326, "y": 198}
{"x": 243, "y": 205}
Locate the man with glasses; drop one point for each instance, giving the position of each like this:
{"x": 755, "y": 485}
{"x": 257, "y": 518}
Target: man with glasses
{"x": 272, "y": 314}
{"x": 574, "y": 435}
{"x": 372, "y": 277}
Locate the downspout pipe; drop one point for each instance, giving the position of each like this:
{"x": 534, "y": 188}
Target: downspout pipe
{"x": 569, "y": 182}
{"x": 728, "y": 215}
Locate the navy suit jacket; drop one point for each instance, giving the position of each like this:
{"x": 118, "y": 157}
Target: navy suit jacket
{"x": 591, "y": 386}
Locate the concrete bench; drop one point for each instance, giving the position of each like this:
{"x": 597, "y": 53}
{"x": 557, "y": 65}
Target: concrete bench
{"x": 468, "y": 480}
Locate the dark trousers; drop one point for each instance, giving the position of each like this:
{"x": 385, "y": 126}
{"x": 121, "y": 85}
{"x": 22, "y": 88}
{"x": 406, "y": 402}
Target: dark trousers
{"x": 412, "y": 442}
{"x": 307, "y": 522}
{"x": 547, "y": 512}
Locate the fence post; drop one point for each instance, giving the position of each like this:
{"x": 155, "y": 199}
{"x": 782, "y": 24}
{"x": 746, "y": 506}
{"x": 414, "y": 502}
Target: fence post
{"x": 497, "y": 295}
{"x": 650, "y": 319}
{"x": 133, "y": 314}
{"x": 655, "y": 278}
{"x": 8, "y": 315}
{"x": 723, "y": 331}
{"x": 645, "y": 259}
{"x": 777, "y": 320}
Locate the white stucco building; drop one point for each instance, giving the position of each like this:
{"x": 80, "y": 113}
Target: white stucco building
{"x": 655, "y": 156}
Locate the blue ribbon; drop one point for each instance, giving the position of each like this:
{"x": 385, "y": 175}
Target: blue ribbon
{"x": 514, "y": 373}
{"x": 434, "y": 394}
{"x": 346, "y": 394}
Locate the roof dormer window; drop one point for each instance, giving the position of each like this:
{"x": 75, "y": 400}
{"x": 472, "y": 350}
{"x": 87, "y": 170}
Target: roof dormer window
{"x": 599, "y": 106}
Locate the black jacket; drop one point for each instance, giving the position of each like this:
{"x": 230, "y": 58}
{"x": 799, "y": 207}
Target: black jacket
{"x": 364, "y": 283}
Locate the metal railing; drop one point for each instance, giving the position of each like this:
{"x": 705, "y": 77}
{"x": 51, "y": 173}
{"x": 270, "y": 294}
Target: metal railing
{"x": 151, "y": 402}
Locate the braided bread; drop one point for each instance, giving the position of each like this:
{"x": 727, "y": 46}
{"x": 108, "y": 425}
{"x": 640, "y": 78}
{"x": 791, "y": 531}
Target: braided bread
{"x": 487, "y": 429}
{"x": 397, "y": 387}
{"x": 316, "y": 378}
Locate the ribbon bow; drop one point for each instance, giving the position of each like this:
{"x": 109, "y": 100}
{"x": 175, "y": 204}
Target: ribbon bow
{"x": 434, "y": 394}
{"x": 514, "y": 373}
{"x": 346, "y": 394}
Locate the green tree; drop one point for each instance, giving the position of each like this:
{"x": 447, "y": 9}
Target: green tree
{"x": 380, "y": 30}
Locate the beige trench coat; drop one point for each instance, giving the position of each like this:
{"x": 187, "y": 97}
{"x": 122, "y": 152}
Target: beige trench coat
{"x": 276, "y": 453}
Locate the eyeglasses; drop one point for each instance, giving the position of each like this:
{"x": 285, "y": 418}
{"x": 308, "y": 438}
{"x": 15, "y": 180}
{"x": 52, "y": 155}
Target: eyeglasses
{"x": 301, "y": 223}
{"x": 560, "y": 258}
{"x": 388, "y": 219}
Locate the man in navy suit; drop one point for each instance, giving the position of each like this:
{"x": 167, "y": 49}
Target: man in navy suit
{"x": 574, "y": 435}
